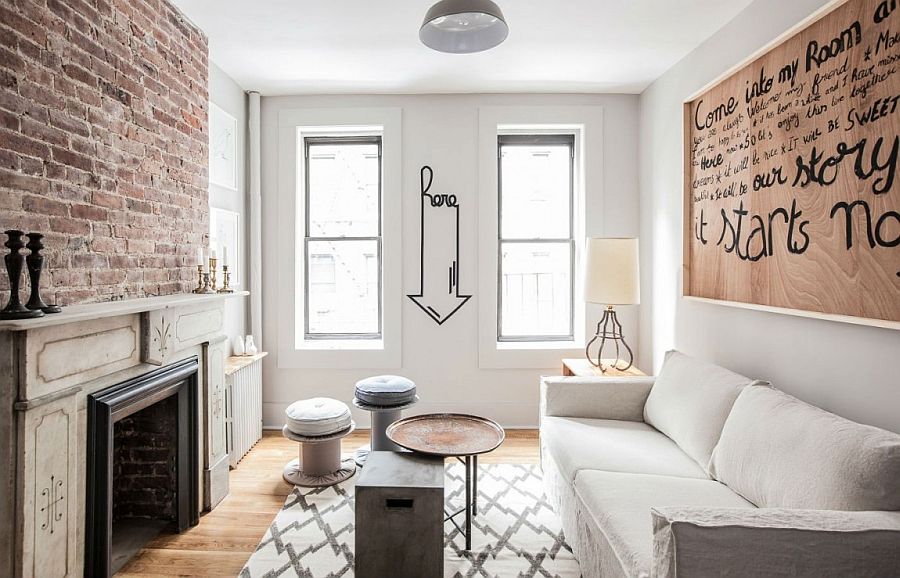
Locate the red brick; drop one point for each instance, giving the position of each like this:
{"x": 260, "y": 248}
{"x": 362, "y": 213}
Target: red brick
{"x": 69, "y": 226}
{"x": 72, "y": 159}
{"x": 45, "y": 206}
{"x": 89, "y": 212}
{"x": 106, "y": 200}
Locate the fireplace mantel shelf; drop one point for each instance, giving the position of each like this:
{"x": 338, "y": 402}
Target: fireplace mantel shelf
{"x": 87, "y": 312}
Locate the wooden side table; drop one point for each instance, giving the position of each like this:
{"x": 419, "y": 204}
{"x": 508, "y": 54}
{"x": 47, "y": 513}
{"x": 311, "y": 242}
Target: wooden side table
{"x": 584, "y": 368}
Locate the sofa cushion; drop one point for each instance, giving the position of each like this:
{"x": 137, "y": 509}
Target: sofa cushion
{"x": 619, "y": 446}
{"x": 690, "y": 401}
{"x": 619, "y": 505}
{"x": 779, "y": 452}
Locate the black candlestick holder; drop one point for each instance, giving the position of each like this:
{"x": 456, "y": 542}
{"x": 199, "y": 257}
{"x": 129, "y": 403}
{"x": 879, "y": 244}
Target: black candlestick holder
{"x": 35, "y": 262}
{"x": 14, "y": 262}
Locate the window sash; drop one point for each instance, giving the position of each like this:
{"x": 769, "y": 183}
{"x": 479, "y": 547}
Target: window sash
{"x": 570, "y": 334}
{"x": 309, "y": 142}
{"x": 508, "y": 140}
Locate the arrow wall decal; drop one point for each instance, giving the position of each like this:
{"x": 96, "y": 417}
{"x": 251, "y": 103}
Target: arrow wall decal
{"x": 438, "y": 294}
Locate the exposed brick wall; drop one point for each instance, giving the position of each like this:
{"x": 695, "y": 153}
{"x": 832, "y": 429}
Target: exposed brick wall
{"x": 103, "y": 144}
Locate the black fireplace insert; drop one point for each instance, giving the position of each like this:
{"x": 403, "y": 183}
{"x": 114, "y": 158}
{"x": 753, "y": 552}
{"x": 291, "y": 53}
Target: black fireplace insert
{"x": 159, "y": 410}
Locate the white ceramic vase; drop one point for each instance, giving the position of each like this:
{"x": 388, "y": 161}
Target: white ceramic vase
{"x": 238, "y": 345}
{"x": 249, "y": 346}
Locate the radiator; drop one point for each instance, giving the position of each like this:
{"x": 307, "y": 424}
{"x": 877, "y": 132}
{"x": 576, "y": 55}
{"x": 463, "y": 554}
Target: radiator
{"x": 243, "y": 405}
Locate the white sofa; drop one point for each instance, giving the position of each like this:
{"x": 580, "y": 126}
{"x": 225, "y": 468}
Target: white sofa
{"x": 704, "y": 472}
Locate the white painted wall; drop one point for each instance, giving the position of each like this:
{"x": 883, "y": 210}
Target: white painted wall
{"x": 227, "y": 95}
{"x": 442, "y": 131}
{"x": 848, "y": 369}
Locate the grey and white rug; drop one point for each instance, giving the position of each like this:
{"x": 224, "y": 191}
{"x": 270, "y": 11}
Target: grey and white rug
{"x": 516, "y": 533}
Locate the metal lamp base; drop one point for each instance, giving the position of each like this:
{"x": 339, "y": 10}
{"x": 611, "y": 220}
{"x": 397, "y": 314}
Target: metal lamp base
{"x": 610, "y": 329}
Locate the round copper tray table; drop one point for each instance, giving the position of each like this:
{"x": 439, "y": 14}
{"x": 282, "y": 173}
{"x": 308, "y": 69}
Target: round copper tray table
{"x": 451, "y": 435}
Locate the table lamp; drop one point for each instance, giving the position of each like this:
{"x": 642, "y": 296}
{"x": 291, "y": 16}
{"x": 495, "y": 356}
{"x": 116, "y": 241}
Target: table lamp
{"x": 611, "y": 278}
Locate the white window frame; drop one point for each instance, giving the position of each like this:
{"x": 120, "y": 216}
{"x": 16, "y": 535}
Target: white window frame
{"x": 294, "y": 350}
{"x": 585, "y": 123}
{"x": 570, "y": 238}
{"x": 355, "y": 139}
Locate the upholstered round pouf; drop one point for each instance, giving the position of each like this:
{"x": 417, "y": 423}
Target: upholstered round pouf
{"x": 319, "y": 416}
{"x": 385, "y": 397}
{"x": 318, "y": 424}
{"x": 386, "y": 390}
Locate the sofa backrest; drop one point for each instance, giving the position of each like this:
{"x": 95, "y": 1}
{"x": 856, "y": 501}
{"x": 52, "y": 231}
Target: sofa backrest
{"x": 690, "y": 401}
{"x": 779, "y": 452}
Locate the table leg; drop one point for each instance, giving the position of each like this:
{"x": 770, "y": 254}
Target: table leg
{"x": 468, "y": 503}
{"x": 474, "y": 486}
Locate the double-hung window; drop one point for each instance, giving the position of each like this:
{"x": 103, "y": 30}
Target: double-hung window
{"x": 536, "y": 245}
{"x": 342, "y": 237}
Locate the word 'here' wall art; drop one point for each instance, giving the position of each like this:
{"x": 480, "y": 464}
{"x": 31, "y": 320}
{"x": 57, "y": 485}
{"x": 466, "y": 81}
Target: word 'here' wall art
{"x": 791, "y": 185}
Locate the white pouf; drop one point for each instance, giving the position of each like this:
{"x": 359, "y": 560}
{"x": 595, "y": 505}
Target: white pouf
{"x": 319, "y": 416}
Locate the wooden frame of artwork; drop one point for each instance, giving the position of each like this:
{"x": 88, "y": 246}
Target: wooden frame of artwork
{"x": 791, "y": 192}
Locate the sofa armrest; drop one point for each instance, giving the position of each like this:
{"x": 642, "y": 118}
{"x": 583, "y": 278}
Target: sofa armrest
{"x": 619, "y": 398}
{"x": 774, "y": 542}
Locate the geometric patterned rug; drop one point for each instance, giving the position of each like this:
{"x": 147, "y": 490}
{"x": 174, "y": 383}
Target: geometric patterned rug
{"x": 515, "y": 534}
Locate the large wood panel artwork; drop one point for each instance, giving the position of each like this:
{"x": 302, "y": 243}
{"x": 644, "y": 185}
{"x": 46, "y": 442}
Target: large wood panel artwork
{"x": 791, "y": 185}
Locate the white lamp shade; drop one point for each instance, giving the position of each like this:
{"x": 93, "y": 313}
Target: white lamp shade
{"x": 463, "y": 26}
{"x": 611, "y": 273}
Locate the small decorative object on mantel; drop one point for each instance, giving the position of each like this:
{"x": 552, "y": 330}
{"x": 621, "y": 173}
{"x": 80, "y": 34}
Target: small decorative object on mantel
{"x": 226, "y": 276}
{"x": 206, "y": 272}
{"x": 14, "y": 262}
{"x": 238, "y": 346}
{"x": 212, "y": 271}
{"x": 200, "y": 284}
{"x": 35, "y": 262}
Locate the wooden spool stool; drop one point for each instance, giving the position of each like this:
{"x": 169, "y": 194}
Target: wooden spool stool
{"x": 384, "y": 397}
{"x": 312, "y": 424}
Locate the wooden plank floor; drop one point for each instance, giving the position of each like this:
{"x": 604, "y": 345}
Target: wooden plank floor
{"x": 224, "y": 539}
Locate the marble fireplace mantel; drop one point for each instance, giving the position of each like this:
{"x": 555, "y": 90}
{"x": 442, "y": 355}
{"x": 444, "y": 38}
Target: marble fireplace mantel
{"x": 48, "y": 368}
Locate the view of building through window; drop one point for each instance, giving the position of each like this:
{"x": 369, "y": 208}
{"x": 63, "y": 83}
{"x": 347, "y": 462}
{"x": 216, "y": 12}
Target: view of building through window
{"x": 536, "y": 175}
{"x": 343, "y": 237}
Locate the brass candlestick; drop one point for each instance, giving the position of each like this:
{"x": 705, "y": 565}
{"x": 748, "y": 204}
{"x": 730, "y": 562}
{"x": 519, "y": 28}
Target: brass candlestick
{"x": 200, "y": 285}
{"x": 226, "y": 280}
{"x": 206, "y": 288}
{"x": 212, "y": 274}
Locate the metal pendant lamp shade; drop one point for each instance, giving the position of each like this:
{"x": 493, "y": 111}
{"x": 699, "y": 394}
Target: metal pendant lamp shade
{"x": 463, "y": 26}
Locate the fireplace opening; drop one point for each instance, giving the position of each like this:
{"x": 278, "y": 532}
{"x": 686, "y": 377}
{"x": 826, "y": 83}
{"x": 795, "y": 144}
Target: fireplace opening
{"x": 145, "y": 452}
{"x": 142, "y": 464}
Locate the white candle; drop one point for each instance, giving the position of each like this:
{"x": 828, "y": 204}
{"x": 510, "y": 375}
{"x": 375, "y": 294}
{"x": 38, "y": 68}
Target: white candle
{"x": 224, "y": 255}
{"x": 213, "y": 256}
{"x": 199, "y": 256}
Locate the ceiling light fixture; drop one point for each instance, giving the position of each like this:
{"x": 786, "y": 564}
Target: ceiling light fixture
{"x": 463, "y": 26}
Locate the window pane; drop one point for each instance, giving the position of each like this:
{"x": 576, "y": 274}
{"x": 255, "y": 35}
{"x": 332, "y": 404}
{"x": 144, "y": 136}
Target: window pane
{"x": 535, "y": 191}
{"x": 343, "y": 190}
{"x": 535, "y": 289}
{"x": 342, "y": 287}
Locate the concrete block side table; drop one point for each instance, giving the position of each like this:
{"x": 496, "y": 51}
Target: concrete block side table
{"x": 399, "y": 517}
{"x": 382, "y": 417}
